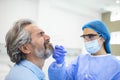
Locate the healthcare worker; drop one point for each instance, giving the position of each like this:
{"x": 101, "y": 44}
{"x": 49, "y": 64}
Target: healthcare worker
{"x": 99, "y": 64}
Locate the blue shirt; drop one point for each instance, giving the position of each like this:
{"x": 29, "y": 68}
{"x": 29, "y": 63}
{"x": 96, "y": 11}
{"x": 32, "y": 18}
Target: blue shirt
{"x": 87, "y": 67}
{"x": 25, "y": 70}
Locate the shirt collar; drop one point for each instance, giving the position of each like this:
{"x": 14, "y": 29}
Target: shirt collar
{"x": 35, "y": 69}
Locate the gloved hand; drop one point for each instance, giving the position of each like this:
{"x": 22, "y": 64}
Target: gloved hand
{"x": 59, "y": 54}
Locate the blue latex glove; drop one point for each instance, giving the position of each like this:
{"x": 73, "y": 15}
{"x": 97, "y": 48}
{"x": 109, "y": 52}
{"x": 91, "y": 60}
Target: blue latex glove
{"x": 59, "y": 54}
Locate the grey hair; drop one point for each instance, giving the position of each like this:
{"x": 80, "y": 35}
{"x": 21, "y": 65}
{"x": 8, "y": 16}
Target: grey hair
{"x": 17, "y": 37}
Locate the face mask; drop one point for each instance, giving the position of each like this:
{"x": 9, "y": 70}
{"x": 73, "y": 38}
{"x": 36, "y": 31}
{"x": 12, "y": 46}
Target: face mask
{"x": 92, "y": 46}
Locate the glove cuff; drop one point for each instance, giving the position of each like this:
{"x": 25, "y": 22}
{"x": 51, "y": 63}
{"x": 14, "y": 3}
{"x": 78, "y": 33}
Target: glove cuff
{"x": 60, "y": 61}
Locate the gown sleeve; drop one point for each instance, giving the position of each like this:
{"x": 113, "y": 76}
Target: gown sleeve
{"x": 63, "y": 72}
{"x": 117, "y": 76}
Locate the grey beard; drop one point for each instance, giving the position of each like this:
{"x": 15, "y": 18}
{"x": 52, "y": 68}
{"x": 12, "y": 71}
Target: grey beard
{"x": 44, "y": 54}
{"x": 48, "y": 53}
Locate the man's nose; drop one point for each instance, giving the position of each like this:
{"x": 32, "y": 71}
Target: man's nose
{"x": 46, "y": 37}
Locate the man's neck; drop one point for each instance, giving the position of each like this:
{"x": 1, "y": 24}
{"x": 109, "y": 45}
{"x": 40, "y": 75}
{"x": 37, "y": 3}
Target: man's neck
{"x": 38, "y": 62}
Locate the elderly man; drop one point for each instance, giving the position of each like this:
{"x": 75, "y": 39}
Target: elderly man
{"x": 27, "y": 46}
{"x": 99, "y": 64}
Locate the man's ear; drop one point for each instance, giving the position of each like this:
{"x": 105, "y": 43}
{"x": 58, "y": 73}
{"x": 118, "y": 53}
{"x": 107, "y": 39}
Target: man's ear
{"x": 25, "y": 49}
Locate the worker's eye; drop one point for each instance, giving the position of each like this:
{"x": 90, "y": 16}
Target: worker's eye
{"x": 90, "y": 36}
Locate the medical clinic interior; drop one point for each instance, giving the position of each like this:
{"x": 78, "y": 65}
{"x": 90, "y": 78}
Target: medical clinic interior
{"x": 63, "y": 21}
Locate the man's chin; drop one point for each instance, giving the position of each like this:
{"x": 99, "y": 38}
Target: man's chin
{"x": 48, "y": 53}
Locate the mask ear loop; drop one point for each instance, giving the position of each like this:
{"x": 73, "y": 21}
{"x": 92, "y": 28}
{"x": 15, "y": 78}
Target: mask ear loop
{"x": 101, "y": 38}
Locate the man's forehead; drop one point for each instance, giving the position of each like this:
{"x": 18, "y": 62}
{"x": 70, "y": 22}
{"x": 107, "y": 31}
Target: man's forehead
{"x": 33, "y": 28}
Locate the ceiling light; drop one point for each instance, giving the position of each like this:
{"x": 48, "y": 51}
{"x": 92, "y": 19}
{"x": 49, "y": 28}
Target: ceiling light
{"x": 115, "y": 15}
{"x": 117, "y": 1}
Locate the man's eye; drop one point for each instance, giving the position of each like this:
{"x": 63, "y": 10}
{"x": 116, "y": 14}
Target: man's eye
{"x": 41, "y": 33}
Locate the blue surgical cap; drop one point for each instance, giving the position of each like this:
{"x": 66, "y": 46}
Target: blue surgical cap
{"x": 101, "y": 29}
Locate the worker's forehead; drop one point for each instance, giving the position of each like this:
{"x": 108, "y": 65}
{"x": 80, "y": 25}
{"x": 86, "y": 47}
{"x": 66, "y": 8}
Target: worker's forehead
{"x": 89, "y": 31}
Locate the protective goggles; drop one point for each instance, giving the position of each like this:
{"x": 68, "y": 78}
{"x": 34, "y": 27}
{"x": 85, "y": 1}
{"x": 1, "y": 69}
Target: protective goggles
{"x": 90, "y": 36}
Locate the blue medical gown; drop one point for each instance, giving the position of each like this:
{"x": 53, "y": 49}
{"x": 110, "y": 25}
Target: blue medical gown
{"x": 87, "y": 67}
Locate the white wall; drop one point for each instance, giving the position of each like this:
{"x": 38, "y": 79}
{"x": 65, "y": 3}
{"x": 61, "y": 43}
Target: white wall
{"x": 12, "y": 10}
{"x": 63, "y": 22}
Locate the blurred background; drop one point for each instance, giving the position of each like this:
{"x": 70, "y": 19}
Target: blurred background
{"x": 62, "y": 21}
